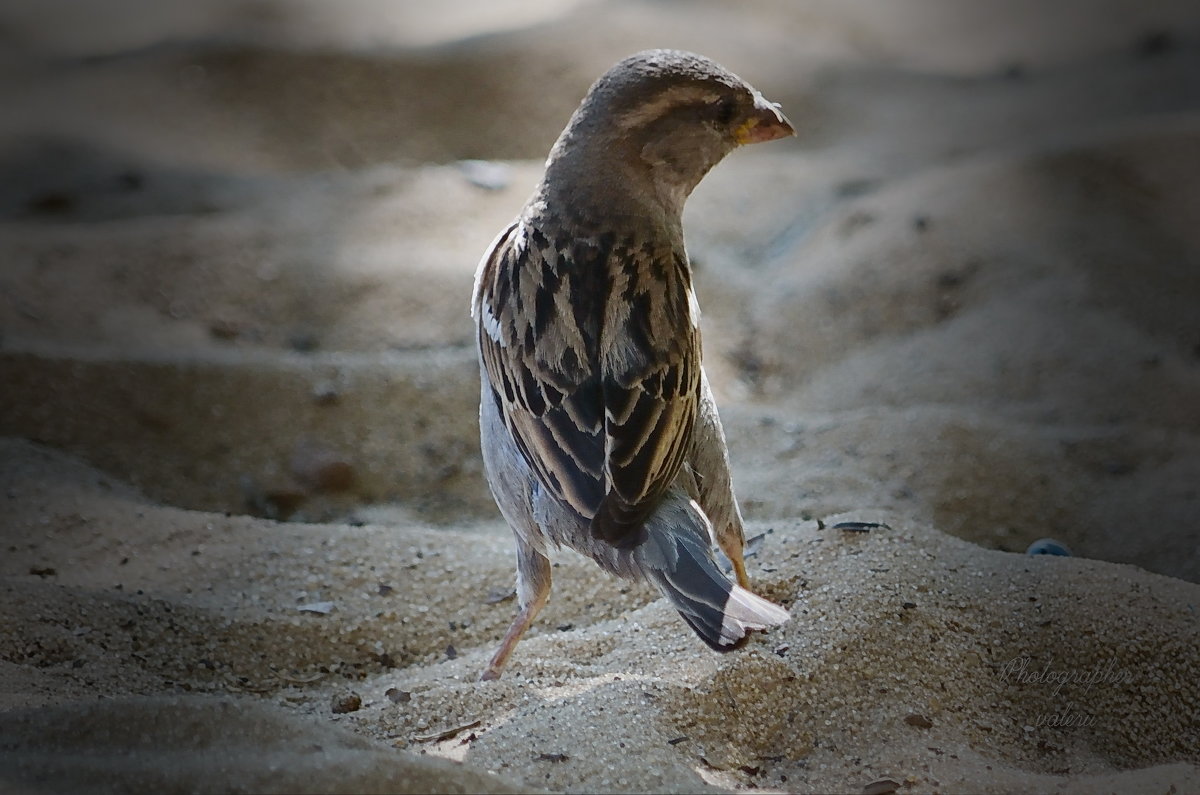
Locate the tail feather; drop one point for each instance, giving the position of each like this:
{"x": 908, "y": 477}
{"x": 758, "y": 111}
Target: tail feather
{"x": 746, "y": 611}
{"x": 719, "y": 611}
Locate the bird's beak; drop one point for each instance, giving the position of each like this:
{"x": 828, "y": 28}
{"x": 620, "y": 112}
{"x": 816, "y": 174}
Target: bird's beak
{"x": 765, "y": 123}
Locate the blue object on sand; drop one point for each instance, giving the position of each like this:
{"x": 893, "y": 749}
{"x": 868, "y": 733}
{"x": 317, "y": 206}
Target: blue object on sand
{"x": 1048, "y": 546}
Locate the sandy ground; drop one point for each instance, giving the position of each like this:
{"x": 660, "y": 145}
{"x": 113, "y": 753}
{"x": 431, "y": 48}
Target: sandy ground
{"x": 246, "y": 545}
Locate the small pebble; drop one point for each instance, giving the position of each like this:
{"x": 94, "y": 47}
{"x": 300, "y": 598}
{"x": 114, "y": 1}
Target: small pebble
{"x": 346, "y": 702}
{"x": 920, "y": 721}
{"x": 326, "y": 393}
{"x": 303, "y": 341}
{"x": 223, "y": 329}
{"x": 321, "y": 468}
{"x": 279, "y": 500}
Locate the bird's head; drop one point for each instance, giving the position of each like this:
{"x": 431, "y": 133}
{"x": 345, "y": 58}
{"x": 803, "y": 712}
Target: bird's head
{"x": 658, "y": 121}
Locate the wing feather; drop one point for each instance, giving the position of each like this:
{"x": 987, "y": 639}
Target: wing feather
{"x": 591, "y": 348}
{"x": 538, "y": 360}
{"x": 651, "y": 390}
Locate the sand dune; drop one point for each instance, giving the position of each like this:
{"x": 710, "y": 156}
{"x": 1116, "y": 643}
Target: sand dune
{"x": 247, "y": 543}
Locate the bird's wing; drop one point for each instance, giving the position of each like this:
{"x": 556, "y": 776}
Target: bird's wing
{"x": 650, "y": 364}
{"x": 538, "y": 329}
{"x": 592, "y": 354}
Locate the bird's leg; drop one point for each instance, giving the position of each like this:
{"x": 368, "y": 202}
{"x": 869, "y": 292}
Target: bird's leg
{"x": 533, "y": 589}
{"x": 732, "y": 546}
{"x": 733, "y": 540}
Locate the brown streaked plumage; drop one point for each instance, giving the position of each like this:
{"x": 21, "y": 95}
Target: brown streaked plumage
{"x": 599, "y": 430}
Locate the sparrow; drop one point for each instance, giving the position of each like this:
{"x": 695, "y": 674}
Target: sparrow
{"x": 598, "y": 426}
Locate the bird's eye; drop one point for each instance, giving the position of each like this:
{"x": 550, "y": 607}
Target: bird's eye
{"x": 723, "y": 110}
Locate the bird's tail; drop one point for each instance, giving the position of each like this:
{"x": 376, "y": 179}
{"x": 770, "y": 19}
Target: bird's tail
{"x": 677, "y": 557}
